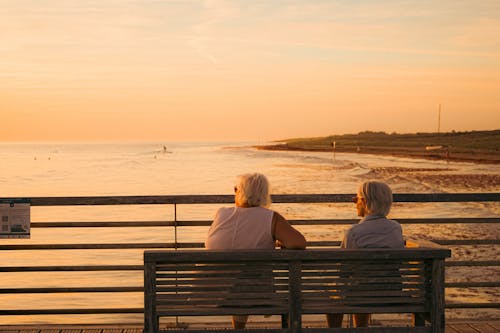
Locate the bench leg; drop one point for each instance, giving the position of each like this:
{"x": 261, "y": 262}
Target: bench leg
{"x": 151, "y": 324}
{"x": 355, "y": 320}
{"x": 239, "y": 322}
{"x": 284, "y": 321}
{"x": 361, "y": 319}
{"x": 334, "y": 319}
{"x": 419, "y": 319}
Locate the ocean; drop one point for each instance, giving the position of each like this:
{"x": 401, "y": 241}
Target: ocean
{"x": 203, "y": 168}
{"x": 102, "y": 169}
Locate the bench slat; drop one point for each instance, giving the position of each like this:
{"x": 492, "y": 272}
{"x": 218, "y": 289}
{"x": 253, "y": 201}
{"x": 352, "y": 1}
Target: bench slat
{"x": 342, "y": 308}
{"x": 402, "y": 329}
{"x": 219, "y": 311}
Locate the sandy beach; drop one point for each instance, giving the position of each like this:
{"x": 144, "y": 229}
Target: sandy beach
{"x": 425, "y": 179}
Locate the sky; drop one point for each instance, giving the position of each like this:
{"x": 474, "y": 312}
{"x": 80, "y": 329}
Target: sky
{"x": 186, "y": 70}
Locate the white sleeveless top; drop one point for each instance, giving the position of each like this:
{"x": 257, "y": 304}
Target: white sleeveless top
{"x": 241, "y": 228}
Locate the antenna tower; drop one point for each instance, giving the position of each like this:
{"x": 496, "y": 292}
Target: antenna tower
{"x": 439, "y": 119}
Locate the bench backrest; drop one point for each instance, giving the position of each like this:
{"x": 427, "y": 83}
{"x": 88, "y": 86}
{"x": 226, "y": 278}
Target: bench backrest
{"x": 364, "y": 285}
{"x": 288, "y": 282}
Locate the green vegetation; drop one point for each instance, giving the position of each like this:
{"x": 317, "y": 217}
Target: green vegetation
{"x": 488, "y": 140}
{"x": 480, "y": 146}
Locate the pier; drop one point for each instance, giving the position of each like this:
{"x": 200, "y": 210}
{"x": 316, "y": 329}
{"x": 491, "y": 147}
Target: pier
{"x": 492, "y": 326}
{"x": 29, "y": 317}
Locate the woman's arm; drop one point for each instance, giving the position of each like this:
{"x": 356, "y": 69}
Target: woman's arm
{"x": 286, "y": 235}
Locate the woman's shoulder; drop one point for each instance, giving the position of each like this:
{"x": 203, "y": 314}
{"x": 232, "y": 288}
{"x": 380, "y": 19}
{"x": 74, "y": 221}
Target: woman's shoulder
{"x": 255, "y": 209}
{"x": 224, "y": 211}
{"x": 243, "y": 210}
{"x": 267, "y": 211}
{"x": 394, "y": 222}
{"x": 390, "y": 226}
{"x": 373, "y": 224}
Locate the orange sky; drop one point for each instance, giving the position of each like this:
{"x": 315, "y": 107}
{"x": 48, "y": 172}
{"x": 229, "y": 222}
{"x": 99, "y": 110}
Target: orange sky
{"x": 237, "y": 70}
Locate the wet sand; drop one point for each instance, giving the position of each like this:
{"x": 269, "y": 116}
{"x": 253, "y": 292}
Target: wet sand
{"x": 475, "y": 156}
{"x": 441, "y": 178}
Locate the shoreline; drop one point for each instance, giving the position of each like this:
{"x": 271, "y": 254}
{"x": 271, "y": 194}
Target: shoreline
{"x": 478, "y": 157}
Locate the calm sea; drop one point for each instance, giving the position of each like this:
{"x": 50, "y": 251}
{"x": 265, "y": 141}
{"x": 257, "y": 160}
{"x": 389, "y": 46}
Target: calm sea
{"x": 31, "y": 170}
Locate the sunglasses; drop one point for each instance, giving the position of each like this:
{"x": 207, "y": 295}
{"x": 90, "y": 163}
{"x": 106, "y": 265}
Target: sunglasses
{"x": 355, "y": 199}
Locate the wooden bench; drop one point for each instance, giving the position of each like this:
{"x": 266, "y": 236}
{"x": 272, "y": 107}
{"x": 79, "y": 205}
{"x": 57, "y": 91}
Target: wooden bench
{"x": 292, "y": 283}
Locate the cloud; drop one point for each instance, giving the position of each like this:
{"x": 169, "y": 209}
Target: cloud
{"x": 482, "y": 33}
{"x": 214, "y": 13}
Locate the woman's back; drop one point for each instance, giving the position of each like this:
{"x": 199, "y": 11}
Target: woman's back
{"x": 241, "y": 228}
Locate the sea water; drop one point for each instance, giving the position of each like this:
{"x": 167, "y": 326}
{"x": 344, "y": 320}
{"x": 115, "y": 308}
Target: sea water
{"x": 102, "y": 169}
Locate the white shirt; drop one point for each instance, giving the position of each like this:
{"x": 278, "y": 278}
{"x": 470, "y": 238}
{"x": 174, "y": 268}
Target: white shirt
{"x": 241, "y": 228}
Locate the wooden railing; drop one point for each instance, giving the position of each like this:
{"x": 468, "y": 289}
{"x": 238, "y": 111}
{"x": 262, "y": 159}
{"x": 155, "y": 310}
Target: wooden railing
{"x": 175, "y": 224}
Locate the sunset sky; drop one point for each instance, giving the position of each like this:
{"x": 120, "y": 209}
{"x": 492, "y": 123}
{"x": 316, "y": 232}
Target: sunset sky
{"x": 186, "y": 70}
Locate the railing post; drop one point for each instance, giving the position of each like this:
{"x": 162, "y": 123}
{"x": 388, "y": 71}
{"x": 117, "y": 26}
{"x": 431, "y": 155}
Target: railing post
{"x": 175, "y": 226}
{"x": 151, "y": 324}
{"x": 437, "y": 292}
{"x": 175, "y": 247}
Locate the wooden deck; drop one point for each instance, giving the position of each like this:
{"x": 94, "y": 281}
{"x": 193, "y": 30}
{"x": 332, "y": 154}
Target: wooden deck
{"x": 483, "y": 326}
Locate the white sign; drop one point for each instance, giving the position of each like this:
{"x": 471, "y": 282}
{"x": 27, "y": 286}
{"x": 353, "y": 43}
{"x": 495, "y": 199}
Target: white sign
{"x": 14, "y": 218}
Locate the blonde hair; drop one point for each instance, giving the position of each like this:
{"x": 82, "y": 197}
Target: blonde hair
{"x": 378, "y": 197}
{"x": 252, "y": 190}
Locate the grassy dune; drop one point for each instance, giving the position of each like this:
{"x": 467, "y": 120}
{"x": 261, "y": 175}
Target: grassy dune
{"x": 474, "y": 146}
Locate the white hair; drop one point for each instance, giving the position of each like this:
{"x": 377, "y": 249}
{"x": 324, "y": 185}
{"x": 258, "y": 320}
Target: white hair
{"x": 378, "y": 197}
{"x": 253, "y": 190}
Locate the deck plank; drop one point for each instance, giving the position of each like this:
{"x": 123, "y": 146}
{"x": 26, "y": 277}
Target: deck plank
{"x": 464, "y": 328}
{"x": 484, "y": 328}
{"x": 496, "y": 325}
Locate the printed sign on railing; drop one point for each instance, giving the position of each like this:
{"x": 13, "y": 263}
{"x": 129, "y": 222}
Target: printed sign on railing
{"x": 14, "y": 218}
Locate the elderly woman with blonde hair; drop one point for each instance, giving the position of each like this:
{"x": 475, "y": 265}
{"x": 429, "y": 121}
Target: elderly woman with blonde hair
{"x": 250, "y": 224}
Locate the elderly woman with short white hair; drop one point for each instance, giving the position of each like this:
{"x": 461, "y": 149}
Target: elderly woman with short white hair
{"x": 373, "y": 203}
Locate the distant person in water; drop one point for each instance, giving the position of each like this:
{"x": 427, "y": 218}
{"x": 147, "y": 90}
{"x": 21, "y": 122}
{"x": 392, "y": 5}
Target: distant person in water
{"x": 373, "y": 203}
{"x": 251, "y": 225}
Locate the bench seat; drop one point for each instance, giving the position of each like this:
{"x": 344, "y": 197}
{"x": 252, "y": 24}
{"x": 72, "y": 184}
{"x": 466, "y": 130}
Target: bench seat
{"x": 292, "y": 283}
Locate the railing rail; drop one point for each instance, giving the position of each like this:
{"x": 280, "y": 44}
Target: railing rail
{"x": 176, "y": 200}
{"x": 277, "y": 198}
